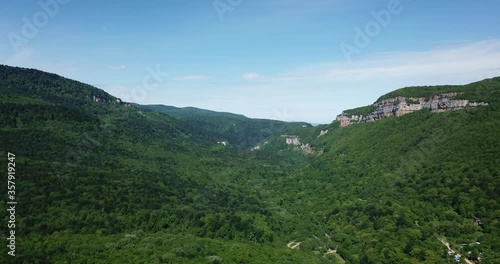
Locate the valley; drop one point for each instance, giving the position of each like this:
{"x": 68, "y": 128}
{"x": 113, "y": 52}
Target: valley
{"x": 107, "y": 181}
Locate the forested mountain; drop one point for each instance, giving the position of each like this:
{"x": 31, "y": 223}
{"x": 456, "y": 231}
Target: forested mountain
{"x": 237, "y": 130}
{"x": 103, "y": 181}
{"x": 390, "y": 190}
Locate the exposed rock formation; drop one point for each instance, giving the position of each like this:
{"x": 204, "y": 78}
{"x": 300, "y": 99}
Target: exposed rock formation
{"x": 292, "y": 140}
{"x": 223, "y": 143}
{"x": 323, "y": 132}
{"x": 98, "y": 99}
{"x": 255, "y": 148}
{"x": 400, "y": 106}
{"x": 307, "y": 148}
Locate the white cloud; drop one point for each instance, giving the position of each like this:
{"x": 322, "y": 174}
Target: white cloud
{"x": 250, "y": 76}
{"x": 316, "y": 92}
{"x": 457, "y": 63}
{"x": 461, "y": 62}
{"x": 319, "y": 92}
{"x": 191, "y": 78}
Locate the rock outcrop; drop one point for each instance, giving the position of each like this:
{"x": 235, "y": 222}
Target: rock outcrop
{"x": 307, "y": 148}
{"x": 98, "y": 99}
{"x": 292, "y": 140}
{"x": 323, "y": 132}
{"x": 399, "y": 106}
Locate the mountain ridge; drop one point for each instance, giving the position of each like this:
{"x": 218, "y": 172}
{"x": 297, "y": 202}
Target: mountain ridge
{"x": 407, "y": 100}
{"x": 104, "y": 181}
{"x": 233, "y": 129}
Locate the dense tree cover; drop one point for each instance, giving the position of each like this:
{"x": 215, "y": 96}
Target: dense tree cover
{"x": 240, "y": 131}
{"x": 32, "y": 85}
{"x": 388, "y": 191}
{"x": 103, "y": 182}
{"x": 421, "y": 91}
{"x": 89, "y": 171}
{"x": 364, "y": 110}
{"x": 478, "y": 91}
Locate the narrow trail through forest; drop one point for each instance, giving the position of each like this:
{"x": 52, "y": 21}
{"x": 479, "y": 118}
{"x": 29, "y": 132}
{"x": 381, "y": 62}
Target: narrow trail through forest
{"x": 447, "y": 245}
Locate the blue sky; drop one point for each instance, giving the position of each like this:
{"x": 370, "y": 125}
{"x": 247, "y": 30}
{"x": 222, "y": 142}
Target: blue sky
{"x": 277, "y": 59}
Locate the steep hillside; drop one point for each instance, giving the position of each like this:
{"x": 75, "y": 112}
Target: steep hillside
{"x": 101, "y": 181}
{"x": 408, "y": 100}
{"x": 389, "y": 191}
{"x": 236, "y": 130}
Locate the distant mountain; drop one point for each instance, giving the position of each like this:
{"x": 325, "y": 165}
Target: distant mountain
{"x": 237, "y": 130}
{"x": 102, "y": 181}
{"x": 434, "y": 98}
{"x": 192, "y": 111}
{"x": 99, "y": 180}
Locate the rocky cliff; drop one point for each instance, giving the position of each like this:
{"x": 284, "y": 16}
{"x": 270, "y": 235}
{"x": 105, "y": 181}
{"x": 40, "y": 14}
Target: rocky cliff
{"x": 399, "y": 106}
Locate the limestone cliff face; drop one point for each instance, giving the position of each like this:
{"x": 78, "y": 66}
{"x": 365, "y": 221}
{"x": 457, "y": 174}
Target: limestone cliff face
{"x": 400, "y": 106}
